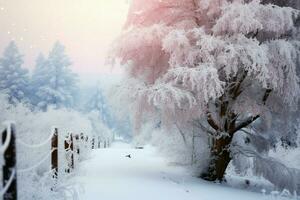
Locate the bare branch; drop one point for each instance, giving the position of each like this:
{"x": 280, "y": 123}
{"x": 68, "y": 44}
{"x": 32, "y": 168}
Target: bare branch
{"x": 245, "y": 123}
{"x": 181, "y": 133}
{"x": 247, "y": 132}
{"x": 212, "y": 122}
{"x": 251, "y": 119}
{"x": 237, "y": 90}
{"x": 266, "y": 95}
{"x": 205, "y": 129}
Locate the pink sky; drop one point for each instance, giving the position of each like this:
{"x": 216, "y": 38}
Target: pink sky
{"x": 85, "y": 27}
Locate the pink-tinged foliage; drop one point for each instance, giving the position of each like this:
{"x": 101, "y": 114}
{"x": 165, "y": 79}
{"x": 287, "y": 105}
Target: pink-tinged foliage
{"x": 185, "y": 64}
{"x": 141, "y": 49}
{"x": 146, "y": 13}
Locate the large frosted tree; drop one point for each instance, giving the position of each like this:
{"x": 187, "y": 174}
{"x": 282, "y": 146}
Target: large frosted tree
{"x": 53, "y": 81}
{"x": 13, "y": 78}
{"x": 218, "y": 65}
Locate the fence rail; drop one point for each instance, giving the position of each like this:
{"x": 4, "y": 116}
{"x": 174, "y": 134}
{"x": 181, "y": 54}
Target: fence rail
{"x": 74, "y": 146}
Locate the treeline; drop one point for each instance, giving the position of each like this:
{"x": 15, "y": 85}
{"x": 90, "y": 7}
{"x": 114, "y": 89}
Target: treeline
{"x": 52, "y": 83}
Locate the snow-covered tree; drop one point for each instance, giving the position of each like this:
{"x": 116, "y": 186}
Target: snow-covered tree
{"x": 13, "y": 78}
{"x": 38, "y": 77}
{"x": 98, "y": 104}
{"x": 217, "y": 65}
{"x": 53, "y": 81}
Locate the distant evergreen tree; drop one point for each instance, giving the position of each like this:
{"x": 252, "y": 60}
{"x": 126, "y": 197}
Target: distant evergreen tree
{"x": 53, "y": 81}
{"x": 38, "y": 77}
{"x": 98, "y": 103}
{"x": 13, "y": 78}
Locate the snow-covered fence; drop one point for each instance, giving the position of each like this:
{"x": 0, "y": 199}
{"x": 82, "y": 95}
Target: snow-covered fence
{"x": 69, "y": 149}
{"x": 54, "y": 153}
{"x": 74, "y": 148}
{"x": 9, "y": 175}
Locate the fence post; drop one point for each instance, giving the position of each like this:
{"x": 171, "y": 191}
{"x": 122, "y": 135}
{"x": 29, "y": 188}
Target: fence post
{"x": 54, "y": 153}
{"x": 86, "y": 139}
{"x": 69, "y": 147}
{"x": 9, "y": 168}
{"x": 93, "y": 142}
{"x": 86, "y": 144}
{"x": 99, "y": 142}
{"x": 77, "y": 144}
{"x": 72, "y": 151}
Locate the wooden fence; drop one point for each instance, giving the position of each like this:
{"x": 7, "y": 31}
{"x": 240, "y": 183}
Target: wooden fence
{"x": 74, "y": 144}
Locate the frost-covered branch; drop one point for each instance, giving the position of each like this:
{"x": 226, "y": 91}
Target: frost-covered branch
{"x": 245, "y": 123}
{"x": 212, "y": 122}
{"x": 198, "y": 124}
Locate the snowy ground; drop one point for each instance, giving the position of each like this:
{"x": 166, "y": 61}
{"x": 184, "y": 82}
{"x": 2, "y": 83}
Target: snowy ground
{"x": 110, "y": 175}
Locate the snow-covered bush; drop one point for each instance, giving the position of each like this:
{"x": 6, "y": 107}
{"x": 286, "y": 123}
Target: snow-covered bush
{"x": 180, "y": 145}
{"x": 33, "y": 131}
{"x": 99, "y": 128}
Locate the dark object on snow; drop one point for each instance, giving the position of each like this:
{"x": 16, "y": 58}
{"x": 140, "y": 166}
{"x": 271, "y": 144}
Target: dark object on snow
{"x": 128, "y": 156}
{"x": 247, "y": 182}
{"x": 247, "y": 140}
{"x": 139, "y": 147}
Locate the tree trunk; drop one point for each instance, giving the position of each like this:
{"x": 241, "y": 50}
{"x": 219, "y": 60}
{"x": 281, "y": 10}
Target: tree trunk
{"x": 220, "y": 155}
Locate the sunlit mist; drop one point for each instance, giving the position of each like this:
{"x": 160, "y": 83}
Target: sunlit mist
{"x": 85, "y": 27}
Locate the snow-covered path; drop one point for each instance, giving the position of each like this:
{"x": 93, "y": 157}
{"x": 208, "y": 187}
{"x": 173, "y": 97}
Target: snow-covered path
{"x": 109, "y": 175}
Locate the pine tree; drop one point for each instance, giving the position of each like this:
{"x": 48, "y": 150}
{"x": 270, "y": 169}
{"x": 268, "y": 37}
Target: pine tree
{"x": 98, "y": 103}
{"x": 38, "y": 77}
{"x": 13, "y": 78}
{"x": 54, "y": 82}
